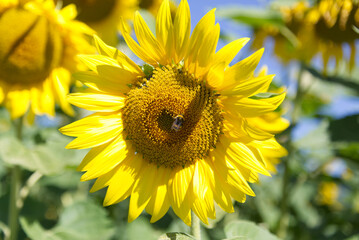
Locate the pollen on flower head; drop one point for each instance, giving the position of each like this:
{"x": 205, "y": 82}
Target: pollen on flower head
{"x": 151, "y": 110}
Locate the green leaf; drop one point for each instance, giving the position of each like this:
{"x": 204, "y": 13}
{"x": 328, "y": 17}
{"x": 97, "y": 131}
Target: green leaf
{"x": 138, "y": 229}
{"x": 82, "y": 220}
{"x": 247, "y": 230}
{"x": 300, "y": 198}
{"x": 345, "y": 129}
{"x": 268, "y": 194}
{"x": 34, "y": 230}
{"x": 264, "y": 95}
{"x": 49, "y": 158}
{"x": 220, "y": 214}
{"x": 355, "y": 237}
{"x": 317, "y": 144}
{"x": 311, "y": 104}
{"x": 347, "y": 82}
{"x": 66, "y": 180}
{"x": 147, "y": 70}
{"x": 349, "y": 151}
{"x": 176, "y": 236}
{"x": 13, "y": 152}
{"x": 253, "y": 16}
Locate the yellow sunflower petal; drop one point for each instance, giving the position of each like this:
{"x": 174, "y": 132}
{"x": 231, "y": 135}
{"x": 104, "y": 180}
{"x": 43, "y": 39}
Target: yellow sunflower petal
{"x": 159, "y": 203}
{"x": 230, "y": 173}
{"x": 69, "y": 12}
{"x": 198, "y": 38}
{"x": 242, "y": 155}
{"x": 137, "y": 49}
{"x": 203, "y": 196}
{"x": 100, "y": 84}
{"x": 240, "y": 127}
{"x": 164, "y": 30}
{"x": 114, "y": 153}
{"x": 2, "y": 94}
{"x": 142, "y": 191}
{"x": 126, "y": 174}
{"x": 147, "y": 40}
{"x": 243, "y": 69}
{"x": 215, "y": 75}
{"x": 270, "y": 122}
{"x": 93, "y": 61}
{"x": 91, "y": 123}
{"x": 182, "y": 29}
{"x": 220, "y": 188}
{"x": 96, "y": 137}
{"x": 228, "y": 52}
{"x": 122, "y": 60}
{"x": 247, "y": 107}
{"x": 179, "y": 185}
{"x": 248, "y": 87}
{"x": 47, "y": 99}
{"x": 97, "y": 102}
{"x": 36, "y": 101}
{"x": 17, "y": 102}
{"x": 206, "y": 51}
{"x": 117, "y": 75}
{"x": 61, "y": 79}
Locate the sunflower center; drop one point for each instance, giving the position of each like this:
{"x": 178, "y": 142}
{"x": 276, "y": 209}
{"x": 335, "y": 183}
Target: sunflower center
{"x": 30, "y": 47}
{"x": 342, "y": 30}
{"x": 172, "y": 119}
{"x": 91, "y": 11}
{"x": 146, "y": 4}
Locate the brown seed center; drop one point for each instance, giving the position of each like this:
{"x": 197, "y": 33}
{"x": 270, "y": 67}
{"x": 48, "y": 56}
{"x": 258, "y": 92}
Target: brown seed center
{"x": 172, "y": 119}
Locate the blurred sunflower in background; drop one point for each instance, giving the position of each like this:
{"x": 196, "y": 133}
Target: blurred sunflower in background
{"x": 38, "y": 48}
{"x": 285, "y": 48}
{"x": 335, "y": 22}
{"x": 153, "y": 6}
{"x": 104, "y": 16}
{"x": 181, "y": 131}
{"x": 319, "y": 29}
{"x": 329, "y": 194}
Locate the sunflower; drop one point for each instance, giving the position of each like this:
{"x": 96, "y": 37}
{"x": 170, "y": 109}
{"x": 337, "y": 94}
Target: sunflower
{"x": 329, "y": 194}
{"x": 294, "y": 20}
{"x": 176, "y": 132}
{"x": 320, "y": 29}
{"x": 153, "y": 5}
{"x": 334, "y": 22}
{"x": 104, "y": 16}
{"x": 38, "y": 51}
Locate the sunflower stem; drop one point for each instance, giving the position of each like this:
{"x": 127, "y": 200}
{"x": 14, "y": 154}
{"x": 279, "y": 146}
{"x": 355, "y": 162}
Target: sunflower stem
{"x": 195, "y": 227}
{"x": 15, "y": 188}
{"x": 25, "y": 190}
{"x": 284, "y": 217}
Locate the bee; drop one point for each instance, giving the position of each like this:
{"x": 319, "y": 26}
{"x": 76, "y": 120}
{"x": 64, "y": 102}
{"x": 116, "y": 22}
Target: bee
{"x": 177, "y": 123}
